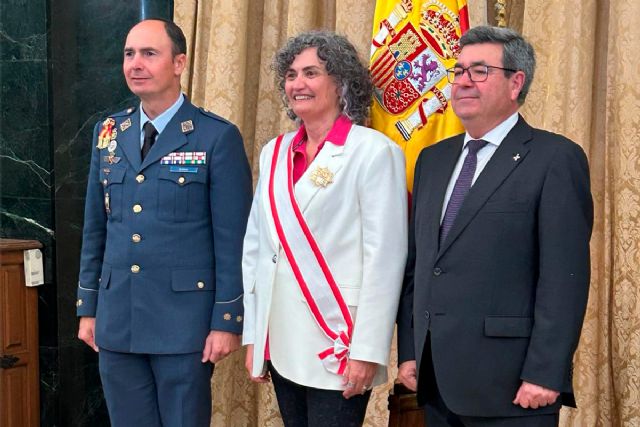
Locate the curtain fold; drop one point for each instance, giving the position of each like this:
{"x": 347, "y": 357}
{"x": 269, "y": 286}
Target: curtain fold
{"x": 586, "y": 87}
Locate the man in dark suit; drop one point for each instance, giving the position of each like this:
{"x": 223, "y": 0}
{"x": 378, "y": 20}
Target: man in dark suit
{"x": 498, "y": 271}
{"x": 160, "y": 289}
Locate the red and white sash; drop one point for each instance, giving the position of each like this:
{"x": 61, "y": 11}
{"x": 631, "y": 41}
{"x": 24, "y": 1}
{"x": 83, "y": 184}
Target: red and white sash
{"x": 310, "y": 269}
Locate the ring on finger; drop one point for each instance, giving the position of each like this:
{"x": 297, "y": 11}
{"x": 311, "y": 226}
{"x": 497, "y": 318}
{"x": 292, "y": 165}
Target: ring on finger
{"x": 351, "y": 385}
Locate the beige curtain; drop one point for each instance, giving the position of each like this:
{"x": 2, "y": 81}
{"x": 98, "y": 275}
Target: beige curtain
{"x": 586, "y": 87}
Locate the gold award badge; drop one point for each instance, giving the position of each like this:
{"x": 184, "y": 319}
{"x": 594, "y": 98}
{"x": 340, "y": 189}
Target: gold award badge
{"x": 321, "y": 177}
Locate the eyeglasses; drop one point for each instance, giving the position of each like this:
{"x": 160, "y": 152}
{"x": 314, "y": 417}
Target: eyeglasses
{"x": 477, "y": 73}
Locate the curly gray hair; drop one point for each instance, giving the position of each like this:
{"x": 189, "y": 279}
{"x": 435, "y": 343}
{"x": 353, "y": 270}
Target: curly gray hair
{"x": 342, "y": 63}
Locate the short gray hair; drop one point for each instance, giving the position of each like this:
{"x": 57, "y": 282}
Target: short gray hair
{"x": 341, "y": 60}
{"x": 517, "y": 53}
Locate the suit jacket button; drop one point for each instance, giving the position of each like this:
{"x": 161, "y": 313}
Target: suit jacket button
{"x": 137, "y": 208}
{"x": 437, "y": 271}
{"x": 274, "y": 259}
{"x": 135, "y": 268}
{"x": 427, "y": 315}
{"x": 105, "y": 182}
{"x": 140, "y": 178}
{"x": 200, "y": 284}
{"x": 136, "y": 238}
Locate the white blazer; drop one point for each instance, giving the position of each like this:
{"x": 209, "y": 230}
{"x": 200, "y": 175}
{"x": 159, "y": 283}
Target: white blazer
{"x": 360, "y": 224}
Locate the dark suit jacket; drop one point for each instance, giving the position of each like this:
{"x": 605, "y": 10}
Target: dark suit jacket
{"x": 504, "y": 295}
{"x": 163, "y": 291}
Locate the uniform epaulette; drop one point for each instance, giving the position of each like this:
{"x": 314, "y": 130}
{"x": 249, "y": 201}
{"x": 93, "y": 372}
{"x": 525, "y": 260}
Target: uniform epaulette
{"x": 213, "y": 115}
{"x": 124, "y": 112}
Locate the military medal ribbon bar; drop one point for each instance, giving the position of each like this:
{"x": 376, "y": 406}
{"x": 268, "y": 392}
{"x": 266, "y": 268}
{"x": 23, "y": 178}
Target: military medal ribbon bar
{"x": 185, "y": 158}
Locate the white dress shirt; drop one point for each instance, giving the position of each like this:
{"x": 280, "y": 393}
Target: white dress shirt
{"x": 494, "y": 138}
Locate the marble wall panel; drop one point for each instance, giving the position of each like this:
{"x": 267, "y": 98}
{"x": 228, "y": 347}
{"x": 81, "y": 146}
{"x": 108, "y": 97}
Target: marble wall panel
{"x": 60, "y": 72}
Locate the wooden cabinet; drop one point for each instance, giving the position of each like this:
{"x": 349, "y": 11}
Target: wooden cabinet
{"x": 19, "y": 388}
{"x": 403, "y": 408}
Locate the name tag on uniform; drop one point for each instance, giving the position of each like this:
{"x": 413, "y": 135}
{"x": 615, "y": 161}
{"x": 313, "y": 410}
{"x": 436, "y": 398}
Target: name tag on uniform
{"x": 183, "y": 169}
{"x": 185, "y": 158}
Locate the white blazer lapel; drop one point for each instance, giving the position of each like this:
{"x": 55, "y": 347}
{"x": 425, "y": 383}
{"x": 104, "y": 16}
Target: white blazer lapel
{"x": 330, "y": 157}
{"x": 268, "y": 217}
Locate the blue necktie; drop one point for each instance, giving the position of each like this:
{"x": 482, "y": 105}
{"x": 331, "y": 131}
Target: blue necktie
{"x": 463, "y": 184}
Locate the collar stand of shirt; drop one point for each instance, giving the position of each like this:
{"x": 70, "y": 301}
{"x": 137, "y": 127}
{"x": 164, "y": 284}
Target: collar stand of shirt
{"x": 162, "y": 120}
{"x": 497, "y": 134}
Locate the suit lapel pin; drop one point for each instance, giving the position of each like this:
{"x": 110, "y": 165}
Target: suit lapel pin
{"x": 186, "y": 126}
{"x": 516, "y": 157}
{"x": 321, "y": 177}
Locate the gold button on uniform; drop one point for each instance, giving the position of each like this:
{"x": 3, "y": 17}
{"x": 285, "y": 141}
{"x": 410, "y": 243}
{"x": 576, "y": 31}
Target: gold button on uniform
{"x": 140, "y": 178}
{"x": 136, "y": 238}
{"x": 135, "y": 268}
{"x": 181, "y": 180}
{"x": 200, "y": 285}
{"x": 227, "y": 316}
{"x": 239, "y": 319}
{"x": 79, "y": 303}
{"x": 137, "y": 208}
{"x": 105, "y": 182}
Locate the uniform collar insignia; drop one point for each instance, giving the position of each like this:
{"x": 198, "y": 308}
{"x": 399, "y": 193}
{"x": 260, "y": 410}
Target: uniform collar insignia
{"x": 125, "y": 125}
{"x": 186, "y": 126}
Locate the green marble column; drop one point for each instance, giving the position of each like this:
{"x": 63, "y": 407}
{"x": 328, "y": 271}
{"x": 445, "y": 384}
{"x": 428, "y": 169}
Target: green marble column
{"x": 60, "y": 72}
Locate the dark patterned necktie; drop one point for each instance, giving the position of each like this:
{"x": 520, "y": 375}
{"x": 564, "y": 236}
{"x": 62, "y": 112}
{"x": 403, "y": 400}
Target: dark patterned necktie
{"x": 463, "y": 184}
{"x": 150, "y": 133}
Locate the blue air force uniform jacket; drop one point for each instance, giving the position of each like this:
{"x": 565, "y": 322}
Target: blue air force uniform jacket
{"x": 162, "y": 243}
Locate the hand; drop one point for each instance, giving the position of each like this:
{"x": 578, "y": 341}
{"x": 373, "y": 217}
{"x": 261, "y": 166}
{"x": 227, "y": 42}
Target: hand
{"x": 408, "y": 374}
{"x": 248, "y": 363}
{"x": 358, "y": 377}
{"x": 534, "y": 396}
{"x": 219, "y": 344}
{"x": 87, "y": 331}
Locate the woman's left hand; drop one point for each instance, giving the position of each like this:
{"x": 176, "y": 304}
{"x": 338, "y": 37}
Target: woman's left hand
{"x": 358, "y": 377}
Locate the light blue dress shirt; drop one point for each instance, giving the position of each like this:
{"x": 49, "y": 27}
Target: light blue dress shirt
{"x": 162, "y": 120}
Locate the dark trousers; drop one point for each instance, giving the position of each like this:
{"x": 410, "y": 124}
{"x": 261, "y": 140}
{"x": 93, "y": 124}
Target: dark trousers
{"x": 437, "y": 414}
{"x": 156, "y": 390}
{"x": 302, "y": 406}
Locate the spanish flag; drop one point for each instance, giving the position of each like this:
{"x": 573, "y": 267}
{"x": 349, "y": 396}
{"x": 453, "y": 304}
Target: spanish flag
{"x": 413, "y": 44}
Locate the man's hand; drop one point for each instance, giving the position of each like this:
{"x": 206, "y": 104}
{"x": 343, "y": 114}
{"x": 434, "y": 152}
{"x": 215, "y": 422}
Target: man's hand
{"x": 534, "y": 396}
{"x": 248, "y": 363}
{"x": 87, "y": 331}
{"x": 408, "y": 374}
{"x": 358, "y": 377}
{"x": 219, "y": 344}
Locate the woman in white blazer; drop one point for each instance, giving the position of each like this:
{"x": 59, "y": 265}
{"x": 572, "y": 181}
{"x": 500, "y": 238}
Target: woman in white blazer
{"x": 326, "y": 243}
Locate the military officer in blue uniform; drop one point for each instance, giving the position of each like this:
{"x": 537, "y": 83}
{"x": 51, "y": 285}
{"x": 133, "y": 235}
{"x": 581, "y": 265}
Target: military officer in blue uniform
{"x": 160, "y": 289}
